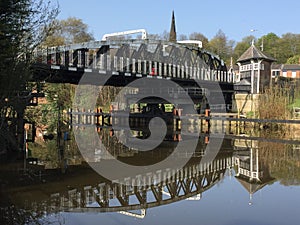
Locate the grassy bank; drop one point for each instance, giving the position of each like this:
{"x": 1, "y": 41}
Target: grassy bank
{"x": 278, "y": 102}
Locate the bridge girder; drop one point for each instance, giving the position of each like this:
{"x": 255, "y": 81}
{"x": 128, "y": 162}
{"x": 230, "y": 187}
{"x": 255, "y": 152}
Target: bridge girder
{"x": 131, "y": 57}
{"x": 114, "y": 197}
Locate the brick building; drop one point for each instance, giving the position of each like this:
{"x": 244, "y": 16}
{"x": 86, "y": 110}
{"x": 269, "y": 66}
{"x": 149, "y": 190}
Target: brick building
{"x": 290, "y": 71}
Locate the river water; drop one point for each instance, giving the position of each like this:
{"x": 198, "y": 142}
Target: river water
{"x": 252, "y": 179}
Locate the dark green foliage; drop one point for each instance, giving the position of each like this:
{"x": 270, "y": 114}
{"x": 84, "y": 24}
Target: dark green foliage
{"x": 23, "y": 26}
{"x": 293, "y": 60}
{"x": 284, "y": 49}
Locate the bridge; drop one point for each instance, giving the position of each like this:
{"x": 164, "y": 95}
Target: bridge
{"x": 98, "y": 196}
{"x": 120, "y": 62}
{"x": 130, "y": 59}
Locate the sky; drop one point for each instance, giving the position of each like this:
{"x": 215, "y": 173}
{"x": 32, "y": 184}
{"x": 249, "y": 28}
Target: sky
{"x": 236, "y": 18}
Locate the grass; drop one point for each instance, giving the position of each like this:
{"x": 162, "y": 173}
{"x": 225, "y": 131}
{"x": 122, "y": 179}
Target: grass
{"x": 297, "y": 102}
{"x": 250, "y": 114}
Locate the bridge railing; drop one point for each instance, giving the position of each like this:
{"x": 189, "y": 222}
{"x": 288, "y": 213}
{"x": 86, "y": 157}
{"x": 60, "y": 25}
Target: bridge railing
{"x": 112, "y": 197}
{"x": 102, "y": 61}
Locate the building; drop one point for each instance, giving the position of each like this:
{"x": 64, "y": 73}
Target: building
{"x": 291, "y": 71}
{"x": 255, "y": 71}
{"x": 251, "y": 172}
{"x": 286, "y": 71}
{"x": 276, "y": 70}
{"x": 254, "y": 76}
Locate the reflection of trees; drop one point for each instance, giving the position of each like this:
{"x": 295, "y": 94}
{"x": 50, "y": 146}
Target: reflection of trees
{"x": 13, "y": 215}
{"x": 283, "y": 161}
{"x": 47, "y": 152}
{"x": 115, "y": 146}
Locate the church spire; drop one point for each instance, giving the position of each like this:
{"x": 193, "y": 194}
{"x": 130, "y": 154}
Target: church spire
{"x": 172, "y": 37}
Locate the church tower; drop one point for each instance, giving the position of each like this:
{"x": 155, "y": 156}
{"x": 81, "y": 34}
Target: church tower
{"x": 172, "y": 37}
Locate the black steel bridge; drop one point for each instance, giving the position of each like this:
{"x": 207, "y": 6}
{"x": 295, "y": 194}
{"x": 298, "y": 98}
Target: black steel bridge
{"x": 126, "y": 60}
{"x": 99, "y": 196}
{"x": 120, "y": 62}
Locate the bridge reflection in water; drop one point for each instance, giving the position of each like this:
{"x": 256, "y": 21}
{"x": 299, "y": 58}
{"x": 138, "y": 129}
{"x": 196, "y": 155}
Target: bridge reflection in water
{"x": 114, "y": 197}
{"x": 84, "y": 191}
{"x": 89, "y": 192}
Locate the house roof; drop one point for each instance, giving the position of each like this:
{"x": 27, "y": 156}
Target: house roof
{"x": 236, "y": 67}
{"x": 243, "y": 82}
{"x": 251, "y": 187}
{"x": 253, "y": 53}
{"x": 276, "y": 66}
{"x": 291, "y": 67}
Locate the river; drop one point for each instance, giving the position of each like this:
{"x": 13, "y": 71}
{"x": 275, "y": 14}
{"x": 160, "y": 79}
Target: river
{"x": 249, "y": 179}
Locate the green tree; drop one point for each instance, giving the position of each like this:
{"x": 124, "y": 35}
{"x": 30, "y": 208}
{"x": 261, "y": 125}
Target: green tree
{"x": 270, "y": 44}
{"x": 242, "y": 46}
{"x": 23, "y": 25}
{"x": 289, "y": 46}
{"x": 59, "y": 96}
{"x": 292, "y": 42}
{"x": 293, "y": 60}
{"x": 221, "y": 46}
{"x": 69, "y": 31}
{"x": 199, "y": 37}
{"x": 281, "y": 48}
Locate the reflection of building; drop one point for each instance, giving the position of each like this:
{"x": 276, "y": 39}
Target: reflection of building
{"x": 251, "y": 172}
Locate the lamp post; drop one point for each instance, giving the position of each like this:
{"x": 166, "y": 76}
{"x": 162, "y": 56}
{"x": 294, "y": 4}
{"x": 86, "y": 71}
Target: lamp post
{"x": 253, "y": 30}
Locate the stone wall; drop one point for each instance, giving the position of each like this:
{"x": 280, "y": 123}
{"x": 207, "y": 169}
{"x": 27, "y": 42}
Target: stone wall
{"x": 245, "y": 103}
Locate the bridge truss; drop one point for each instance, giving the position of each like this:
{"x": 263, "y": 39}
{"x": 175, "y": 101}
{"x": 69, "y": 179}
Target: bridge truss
{"x": 186, "y": 183}
{"x": 127, "y": 60}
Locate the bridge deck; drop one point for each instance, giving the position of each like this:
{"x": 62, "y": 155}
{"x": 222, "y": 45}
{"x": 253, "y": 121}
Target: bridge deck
{"x": 136, "y": 59}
